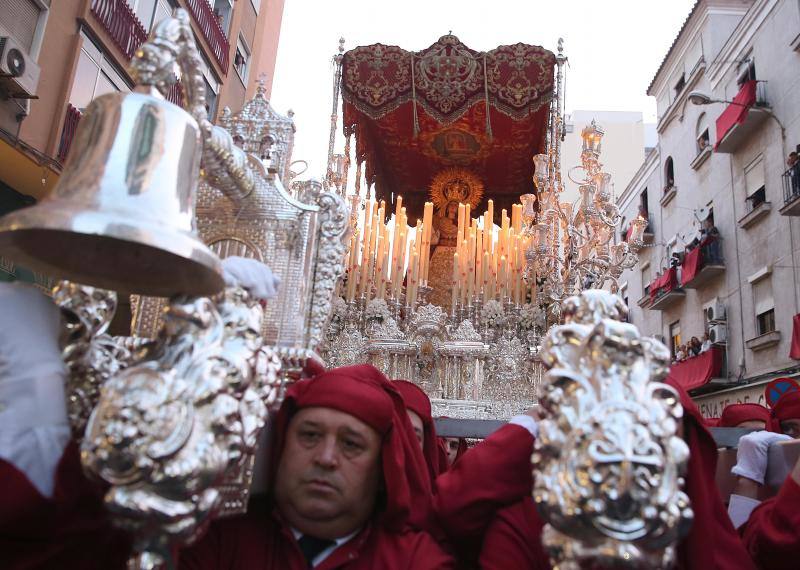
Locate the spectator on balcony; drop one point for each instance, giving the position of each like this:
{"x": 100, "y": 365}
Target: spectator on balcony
{"x": 793, "y": 162}
{"x": 680, "y": 354}
{"x": 709, "y": 241}
{"x": 706, "y": 343}
{"x": 694, "y": 347}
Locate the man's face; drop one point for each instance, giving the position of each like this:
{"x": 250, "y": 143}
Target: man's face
{"x": 752, "y": 424}
{"x": 329, "y": 473}
{"x": 791, "y": 428}
{"x": 452, "y": 449}
{"x": 419, "y": 427}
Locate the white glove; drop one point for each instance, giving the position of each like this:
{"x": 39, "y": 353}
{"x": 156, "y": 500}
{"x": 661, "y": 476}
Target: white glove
{"x": 252, "y": 275}
{"x": 33, "y": 416}
{"x": 752, "y": 454}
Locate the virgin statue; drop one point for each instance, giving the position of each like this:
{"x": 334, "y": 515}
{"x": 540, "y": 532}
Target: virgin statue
{"x": 449, "y": 188}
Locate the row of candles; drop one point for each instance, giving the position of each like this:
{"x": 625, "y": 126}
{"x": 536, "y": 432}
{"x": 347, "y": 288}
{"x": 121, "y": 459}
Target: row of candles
{"x": 387, "y": 259}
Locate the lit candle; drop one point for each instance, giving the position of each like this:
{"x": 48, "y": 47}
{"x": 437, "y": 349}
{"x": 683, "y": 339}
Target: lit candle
{"x": 485, "y": 265}
{"x": 398, "y": 206}
{"x": 456, "y": 273}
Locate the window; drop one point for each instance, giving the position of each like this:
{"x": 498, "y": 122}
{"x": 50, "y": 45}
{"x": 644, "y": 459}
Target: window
{"x": 764, "y": 305}
{"x": 669, "y": 175}
{"x": 755, "y": 188}
{"x": 646, "y": 280}
{"x": 223, "y": 10}
{"x": 644, "y": 206}
{"x": 680, "y": 84}
{"x": 747, "y": 72}
{"x": 702, "y": 137}
{"x": 241, "y": 62}
{"x": 94, "y": 76}
{"x": 212, "y": 88}
{"x": 674, "y": 337}
{"x": 21, "y": 18}
{"x": 150, "y": 12}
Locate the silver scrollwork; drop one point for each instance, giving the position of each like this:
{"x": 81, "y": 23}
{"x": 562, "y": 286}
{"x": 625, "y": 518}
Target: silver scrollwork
{"x": 608, "y": 461}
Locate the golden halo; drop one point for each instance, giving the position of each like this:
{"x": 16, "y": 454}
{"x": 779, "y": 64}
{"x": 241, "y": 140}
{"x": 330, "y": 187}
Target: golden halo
{"x": 456, "y": 185}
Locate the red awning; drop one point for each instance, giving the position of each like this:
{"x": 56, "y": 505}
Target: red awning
{"x": 416, "y": 113}
{"x": 698, "y": 370}
{"x": 795, "y": 350}
{"x": 737, "y": 111}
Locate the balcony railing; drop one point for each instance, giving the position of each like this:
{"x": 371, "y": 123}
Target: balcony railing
{"x": 73, "y": 117}
{"x": 702, "y": 263}
{"x": 791, "y": 191}
{"x": 175, "y": 94}
{"x": 212, "y": 31}
{"x": 125, "y": 29}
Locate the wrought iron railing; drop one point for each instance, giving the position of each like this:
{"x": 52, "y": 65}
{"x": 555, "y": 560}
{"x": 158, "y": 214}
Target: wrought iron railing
{"x": 212, "y": 31}
{"x": 175, "y": 94}
{"x": 125, "y": 29}
{"x": 71, "y": 120}
{"x": 791, "y": 184}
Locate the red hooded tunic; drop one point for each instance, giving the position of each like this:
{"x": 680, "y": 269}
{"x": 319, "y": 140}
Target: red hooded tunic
{"x": 514, "y": 539}
{"x": 73, "y": 531}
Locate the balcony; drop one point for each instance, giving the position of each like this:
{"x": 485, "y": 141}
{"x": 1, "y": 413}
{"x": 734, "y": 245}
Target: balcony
{"x": 175, "y": 94}
{"x": 741, "y": 117}
{"x": 73, "y": 117}
{"x": 665, "y": 291}
{"x": 702, "y": 264}
{"x": 211, "y": 30}
{"x": 791, "y": 191}
{"x": 121, "y": 24}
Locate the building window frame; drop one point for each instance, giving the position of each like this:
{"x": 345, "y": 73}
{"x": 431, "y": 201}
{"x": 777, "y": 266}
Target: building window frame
{"x": 104, "y": 67}
{"x": 674, "y": 337}
{"x": 241, "y": 61}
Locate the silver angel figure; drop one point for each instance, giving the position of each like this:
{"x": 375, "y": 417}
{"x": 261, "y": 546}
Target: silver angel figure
{"x": 608, "y": 462}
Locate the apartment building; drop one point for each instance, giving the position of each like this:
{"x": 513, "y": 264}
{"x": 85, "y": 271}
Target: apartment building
{"x": 57, "y": 55}
{"x": 721, "y": 202}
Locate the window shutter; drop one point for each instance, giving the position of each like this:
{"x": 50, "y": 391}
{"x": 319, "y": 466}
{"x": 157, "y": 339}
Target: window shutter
{"x": 754, "y": 176}
{"x": 20, "y": 18}
{"x": 762, "y": 296}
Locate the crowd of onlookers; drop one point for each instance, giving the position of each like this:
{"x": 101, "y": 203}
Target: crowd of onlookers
{"x": 691, "y": 349}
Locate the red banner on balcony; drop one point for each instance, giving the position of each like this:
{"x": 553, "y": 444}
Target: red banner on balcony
{"x": 795, "y": 350}
{"x": 666, "y": 282}
{"x": 692, "y": 264}
{"x": 737, "y": 110}
{"x": 698, "y": 370}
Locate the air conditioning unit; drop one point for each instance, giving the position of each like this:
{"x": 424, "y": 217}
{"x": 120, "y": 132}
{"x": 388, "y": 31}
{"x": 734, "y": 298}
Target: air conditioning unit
{"x": 19, "y": 74}
{"x": 718, "y": 334}
{"x": 715, "y": 312}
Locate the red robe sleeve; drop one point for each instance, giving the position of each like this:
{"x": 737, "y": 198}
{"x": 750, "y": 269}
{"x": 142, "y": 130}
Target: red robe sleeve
{"x": 513, "y": 540}
{"x": 494, "y": 474}
{"x": 772, "y": 533}
{"x": 69, "y": 530}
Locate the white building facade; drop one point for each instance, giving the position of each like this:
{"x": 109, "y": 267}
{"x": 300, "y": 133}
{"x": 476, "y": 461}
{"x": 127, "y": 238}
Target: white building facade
{"x": 731, "y": 170}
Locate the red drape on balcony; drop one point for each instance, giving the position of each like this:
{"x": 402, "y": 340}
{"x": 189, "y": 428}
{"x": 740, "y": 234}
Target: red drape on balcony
{"x": 666, "y": 282}
{"x": 795, "y": 350}
{"x": 698, "y": 370}
{"x": 692, "y": 264}
{"x": 737, "y": 111}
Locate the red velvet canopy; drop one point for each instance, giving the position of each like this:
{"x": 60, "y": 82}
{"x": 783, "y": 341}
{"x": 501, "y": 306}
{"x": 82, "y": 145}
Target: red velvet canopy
{"x": 416, "y": 113}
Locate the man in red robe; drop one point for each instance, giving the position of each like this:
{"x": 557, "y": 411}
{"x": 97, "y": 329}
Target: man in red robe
{"x": 454, "y": 447}
{"x": 772, "y": 531}
{"x": 418, "y": 407}
{"x": 752, "y": 416}
{"x": 348, "y": 487}
{"x": 513, "y": 541}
